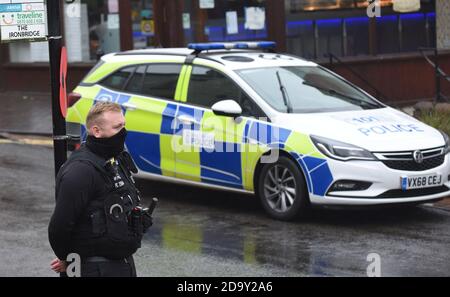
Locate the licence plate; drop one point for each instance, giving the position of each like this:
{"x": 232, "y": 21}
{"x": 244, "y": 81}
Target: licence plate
{"x": 421, "y": 181}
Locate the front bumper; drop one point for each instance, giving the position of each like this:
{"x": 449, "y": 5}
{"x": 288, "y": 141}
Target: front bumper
{"x": 386, "y": 184}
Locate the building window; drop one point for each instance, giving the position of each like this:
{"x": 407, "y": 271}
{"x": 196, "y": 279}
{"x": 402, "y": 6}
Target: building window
{"x": 387, "y": 34}
{"x": 342, "y": 28}
{"x": 315, "y": 5}
{"x": 142, "y": 16}
{"x": 413, "y": 31}
{"x": 91, "y": 29}
{"x": 357, "y": 32}
{"x": 28, "y": 52}
{"x": 226, "y": 20}
{"x": 300, "y": 38}
{"x": 329, "y": 37}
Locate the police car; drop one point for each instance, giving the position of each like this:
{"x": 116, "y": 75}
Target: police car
{"x": 239, "y": 116}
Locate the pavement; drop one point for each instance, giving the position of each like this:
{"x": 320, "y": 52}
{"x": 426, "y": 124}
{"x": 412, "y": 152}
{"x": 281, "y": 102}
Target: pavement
{"x": 26, "y": 112}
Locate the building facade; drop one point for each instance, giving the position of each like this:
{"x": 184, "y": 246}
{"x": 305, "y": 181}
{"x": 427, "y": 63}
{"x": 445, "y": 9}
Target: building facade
{"x": 380, "y": 53}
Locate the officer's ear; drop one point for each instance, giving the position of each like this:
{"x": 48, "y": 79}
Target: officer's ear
{"x": 95, "y": 131}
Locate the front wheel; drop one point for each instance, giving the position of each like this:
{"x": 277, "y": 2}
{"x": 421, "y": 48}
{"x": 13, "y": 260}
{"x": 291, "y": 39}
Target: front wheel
{"x": 282, "y": 190}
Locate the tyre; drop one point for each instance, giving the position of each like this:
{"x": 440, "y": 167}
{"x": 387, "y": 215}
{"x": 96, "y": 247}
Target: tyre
{"x": 282, "y": 190}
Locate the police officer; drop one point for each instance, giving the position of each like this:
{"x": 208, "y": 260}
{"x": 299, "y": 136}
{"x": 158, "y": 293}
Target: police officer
{"x": 97, "y": 213}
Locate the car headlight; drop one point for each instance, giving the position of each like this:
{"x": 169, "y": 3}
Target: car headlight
{"x": 340, "y": 150}
{"x": 447, "y": 142}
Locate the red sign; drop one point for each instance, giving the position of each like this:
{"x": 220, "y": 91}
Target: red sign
{"x": 62, "y": 82}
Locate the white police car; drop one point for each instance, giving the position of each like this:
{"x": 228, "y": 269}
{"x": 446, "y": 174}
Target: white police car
{"x": 238, "y": 116}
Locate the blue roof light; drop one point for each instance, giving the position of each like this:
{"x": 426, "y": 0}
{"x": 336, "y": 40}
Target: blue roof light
{"x": 232, "y": 45}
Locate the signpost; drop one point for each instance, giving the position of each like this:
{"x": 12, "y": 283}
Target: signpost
{"x": 55, "y": 47}
{"x": 26, "y": 20}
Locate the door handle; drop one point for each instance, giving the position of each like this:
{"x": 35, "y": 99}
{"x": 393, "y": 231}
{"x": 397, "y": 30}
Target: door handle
{"x": 129, "y": 106}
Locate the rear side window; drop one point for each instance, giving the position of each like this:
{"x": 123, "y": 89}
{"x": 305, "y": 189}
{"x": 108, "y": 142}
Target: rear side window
{"x": 161, "y": 80}
{"x": 118, "y": 79}
{"x": 134, "y": 84}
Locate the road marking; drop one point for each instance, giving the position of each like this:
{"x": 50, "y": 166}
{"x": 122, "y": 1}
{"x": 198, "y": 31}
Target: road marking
{"x": 38, "y": 142}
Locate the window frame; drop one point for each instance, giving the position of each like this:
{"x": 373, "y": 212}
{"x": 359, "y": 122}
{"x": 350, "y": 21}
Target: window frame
{"x": 260, "y": 111}
{"x": 136, "y": 66}
{"x": 131, "y": 76}
{"x": 102, "y": 81}
{"x": 145, "y": 74}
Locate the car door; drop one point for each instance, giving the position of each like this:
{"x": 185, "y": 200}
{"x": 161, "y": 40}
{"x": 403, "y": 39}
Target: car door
{"x": 149, "y": 115}
{"x": 209, "y": 148}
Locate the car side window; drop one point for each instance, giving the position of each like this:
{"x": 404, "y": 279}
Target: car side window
{"x": 208, "y": 86}
{"x": 161, "y": 80}
{"x": 249, "y": 107}
{"x": 134, "y": 84}
{"x": 117, "y": 80}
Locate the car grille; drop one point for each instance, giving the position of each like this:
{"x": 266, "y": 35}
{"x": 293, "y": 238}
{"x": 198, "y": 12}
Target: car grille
{"x": 413, "y": 166}
{"x": 404, "y": 161}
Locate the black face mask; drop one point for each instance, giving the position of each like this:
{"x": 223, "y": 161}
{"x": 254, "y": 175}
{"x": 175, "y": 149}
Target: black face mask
{"x": 107, "y": 147}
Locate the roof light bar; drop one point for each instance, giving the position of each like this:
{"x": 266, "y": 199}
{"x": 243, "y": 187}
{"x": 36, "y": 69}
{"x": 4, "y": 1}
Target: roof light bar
{"x": 234, "y": 45}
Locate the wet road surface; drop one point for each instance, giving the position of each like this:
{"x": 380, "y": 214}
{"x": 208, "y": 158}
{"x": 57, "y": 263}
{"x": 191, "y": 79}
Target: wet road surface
{"x": 30, "y": 112}
{"x": 200, "y": 232}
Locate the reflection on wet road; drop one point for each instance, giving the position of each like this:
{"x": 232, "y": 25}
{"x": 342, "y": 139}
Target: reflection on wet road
{"x": 228, "y": 226}
{"x": 201, "y": 232}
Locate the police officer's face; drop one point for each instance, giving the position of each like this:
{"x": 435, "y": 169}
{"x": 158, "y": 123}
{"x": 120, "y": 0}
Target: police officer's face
{"x": 110, "y": 125}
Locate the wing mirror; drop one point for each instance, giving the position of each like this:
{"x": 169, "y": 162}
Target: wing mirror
{"x": 228, "y": 108}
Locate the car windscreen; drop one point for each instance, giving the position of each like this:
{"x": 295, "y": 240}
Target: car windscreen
{"x": 306, "y": 89}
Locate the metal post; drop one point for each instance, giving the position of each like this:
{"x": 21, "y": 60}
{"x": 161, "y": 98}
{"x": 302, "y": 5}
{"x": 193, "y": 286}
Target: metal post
{"x": 55, "y": 45}
{"x": 400, "y": 33}
{"x": 344, "y": 38}
{"x": 316, "y": 40}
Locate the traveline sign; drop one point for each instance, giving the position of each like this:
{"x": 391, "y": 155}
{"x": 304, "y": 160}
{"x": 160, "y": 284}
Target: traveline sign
{"x": 23, "y": 20}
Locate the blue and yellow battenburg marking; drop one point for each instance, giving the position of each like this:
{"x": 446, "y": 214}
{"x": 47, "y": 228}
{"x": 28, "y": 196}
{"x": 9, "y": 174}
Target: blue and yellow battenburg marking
{"x": 156, "y": 141}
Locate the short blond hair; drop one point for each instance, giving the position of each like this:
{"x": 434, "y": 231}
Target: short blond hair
{"x": 94, "y": 116}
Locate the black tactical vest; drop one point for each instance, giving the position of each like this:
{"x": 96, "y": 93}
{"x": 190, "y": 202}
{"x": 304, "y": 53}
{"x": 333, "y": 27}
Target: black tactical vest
{"x": 106, "y": 226}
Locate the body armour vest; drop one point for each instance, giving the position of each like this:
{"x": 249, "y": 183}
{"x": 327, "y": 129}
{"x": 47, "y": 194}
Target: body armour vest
{"x": 106, "y": 227}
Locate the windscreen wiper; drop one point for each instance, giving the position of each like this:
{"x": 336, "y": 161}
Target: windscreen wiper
{"x": 284, "y": 92}
{"x": 358, "y": 102}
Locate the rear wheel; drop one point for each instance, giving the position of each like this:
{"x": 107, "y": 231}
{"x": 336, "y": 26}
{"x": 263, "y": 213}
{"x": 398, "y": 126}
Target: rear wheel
{"x": 282, "y": 189}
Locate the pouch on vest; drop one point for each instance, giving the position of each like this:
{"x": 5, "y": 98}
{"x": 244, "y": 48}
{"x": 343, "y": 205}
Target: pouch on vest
{"x": 98, "y": 222}
{"x": 116, "y": 218}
